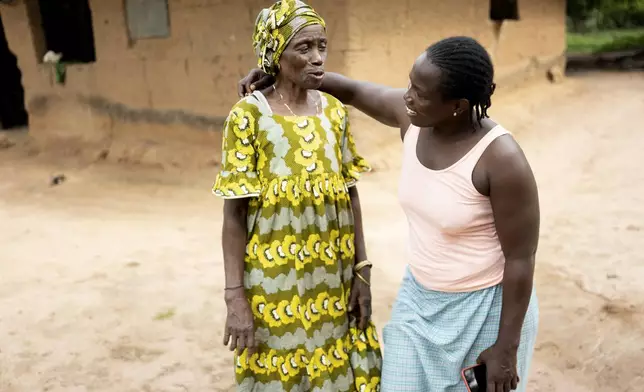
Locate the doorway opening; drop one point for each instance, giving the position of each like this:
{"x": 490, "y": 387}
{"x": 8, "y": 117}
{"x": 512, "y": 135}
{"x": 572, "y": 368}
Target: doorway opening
{"x": 501, "y": 10}
{"x": 67, "y": 29}
{"x": 13, "y": 114}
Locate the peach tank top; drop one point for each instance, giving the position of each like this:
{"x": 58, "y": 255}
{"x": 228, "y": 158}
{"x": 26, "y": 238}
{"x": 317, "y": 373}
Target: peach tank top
{"x": 453, "y": 245}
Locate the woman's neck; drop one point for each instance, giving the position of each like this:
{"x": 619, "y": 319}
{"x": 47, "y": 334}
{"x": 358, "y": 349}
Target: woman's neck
{"x": 290, "y": 92}
{"x": 454, "y": 130}
{"x": 460, "y": 128}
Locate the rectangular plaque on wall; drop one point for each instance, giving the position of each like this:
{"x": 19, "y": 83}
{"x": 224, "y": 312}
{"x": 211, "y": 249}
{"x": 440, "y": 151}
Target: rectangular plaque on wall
{"x": 147, "y": 18}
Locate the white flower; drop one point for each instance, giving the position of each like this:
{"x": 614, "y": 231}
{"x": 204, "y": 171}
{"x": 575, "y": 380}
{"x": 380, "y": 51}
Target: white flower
{"x": 52, "y": 57}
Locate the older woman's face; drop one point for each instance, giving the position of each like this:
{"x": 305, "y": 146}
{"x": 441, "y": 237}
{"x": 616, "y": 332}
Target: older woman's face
{"x": 302, "y": 61}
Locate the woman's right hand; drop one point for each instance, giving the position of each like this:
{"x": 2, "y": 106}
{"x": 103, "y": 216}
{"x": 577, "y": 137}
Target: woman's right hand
{"x": 255, "y": 80}
{"x": 240, "y": 327}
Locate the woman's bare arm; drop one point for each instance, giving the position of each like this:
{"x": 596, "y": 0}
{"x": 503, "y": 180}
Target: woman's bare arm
{"x": 361, "y": 296}
{"x": 233, "y": 238}
{"x": 382, "y": 103}
{"x": 360, "y": 247}
{"x": 515, "y": 203}
{"x": 240, "y": 330}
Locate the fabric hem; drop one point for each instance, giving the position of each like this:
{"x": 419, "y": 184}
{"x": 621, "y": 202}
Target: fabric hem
{"x": 223, "y": 196}
{"x": 358, "y": 170}
{"x": 473, "y": 289}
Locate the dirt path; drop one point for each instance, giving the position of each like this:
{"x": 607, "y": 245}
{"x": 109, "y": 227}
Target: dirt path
{"x": 112, "y": 281}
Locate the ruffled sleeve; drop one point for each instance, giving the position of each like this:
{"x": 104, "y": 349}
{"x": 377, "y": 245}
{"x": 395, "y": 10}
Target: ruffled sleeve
{"x": 353, "y": 164}
{"x": 238, "y": 176}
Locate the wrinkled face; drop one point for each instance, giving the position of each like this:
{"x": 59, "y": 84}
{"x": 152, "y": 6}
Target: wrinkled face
{"x": 426, "y": 106}
{"x": 302, "y": 62}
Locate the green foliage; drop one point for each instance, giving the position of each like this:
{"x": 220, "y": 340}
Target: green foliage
{"x": 581, "y": 9}
{"x": 606, "y": 41}
{"x": 593, "y": 15}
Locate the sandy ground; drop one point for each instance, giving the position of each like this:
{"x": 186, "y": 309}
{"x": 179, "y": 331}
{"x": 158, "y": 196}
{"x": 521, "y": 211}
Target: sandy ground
{"x": 112, "y": 281}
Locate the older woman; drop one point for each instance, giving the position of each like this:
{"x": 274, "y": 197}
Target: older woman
{"x": 294, "y": 251}
{"x": 473, "y": 209}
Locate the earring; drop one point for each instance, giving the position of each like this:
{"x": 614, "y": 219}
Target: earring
{"x": 455, "y": 114}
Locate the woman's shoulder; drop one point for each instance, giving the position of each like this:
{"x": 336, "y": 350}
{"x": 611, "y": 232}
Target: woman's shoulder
{"x": 248, "y": 108}
{"x": 494, "y": 130}
{"x": 249, "y": 102}
{"x": 503, "y": 147}
{"x": 333, "y": 102}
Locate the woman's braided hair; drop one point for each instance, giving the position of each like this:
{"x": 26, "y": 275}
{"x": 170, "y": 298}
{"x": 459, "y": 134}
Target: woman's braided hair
{"x": 466, "y": 72}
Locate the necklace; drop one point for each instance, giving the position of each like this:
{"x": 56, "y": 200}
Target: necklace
{"x": 317, "y": 104}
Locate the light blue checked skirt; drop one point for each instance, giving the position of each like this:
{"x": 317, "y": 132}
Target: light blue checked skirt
{"x": 433, "y": 335}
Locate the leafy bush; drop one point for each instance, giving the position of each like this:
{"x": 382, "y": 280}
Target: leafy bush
{"x": 606, "y": 41}
{"x": 594, "y": 15}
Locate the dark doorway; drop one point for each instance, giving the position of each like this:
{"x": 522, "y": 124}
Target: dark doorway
{"x": 67, "y": 27}
{"x": 501, "y": 10}
{"x": 13, "y": 114}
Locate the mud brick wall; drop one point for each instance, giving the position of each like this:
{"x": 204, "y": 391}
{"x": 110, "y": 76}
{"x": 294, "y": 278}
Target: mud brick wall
{"x": 153, "y": 89}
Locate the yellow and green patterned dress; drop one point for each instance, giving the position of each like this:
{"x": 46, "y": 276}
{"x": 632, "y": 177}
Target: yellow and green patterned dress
{"x": 300, "y": 250}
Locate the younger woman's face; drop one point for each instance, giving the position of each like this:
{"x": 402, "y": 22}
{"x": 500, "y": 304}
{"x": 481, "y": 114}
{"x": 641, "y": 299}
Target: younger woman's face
{"x": 302, "y": 61}
{"x": 426, "y": 105}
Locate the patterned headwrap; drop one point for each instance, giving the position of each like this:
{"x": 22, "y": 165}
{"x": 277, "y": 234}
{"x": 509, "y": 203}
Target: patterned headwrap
{"x": 276, "y": 26}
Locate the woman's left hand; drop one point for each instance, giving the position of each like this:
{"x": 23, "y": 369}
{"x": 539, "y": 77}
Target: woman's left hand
{"x": 501, "y": 364}
{"x": 360, "y": 300}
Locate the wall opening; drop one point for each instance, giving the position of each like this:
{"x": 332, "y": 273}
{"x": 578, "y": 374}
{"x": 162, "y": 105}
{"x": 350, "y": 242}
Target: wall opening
{"x": 13, "y": 114}
{"x": 67, "y": 29}
{"x": 501, "y": 10}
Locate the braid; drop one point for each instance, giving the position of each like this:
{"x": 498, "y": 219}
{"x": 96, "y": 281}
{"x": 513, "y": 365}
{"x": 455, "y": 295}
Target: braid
{"x": 466, "y": 73}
